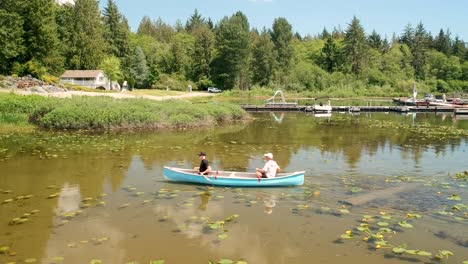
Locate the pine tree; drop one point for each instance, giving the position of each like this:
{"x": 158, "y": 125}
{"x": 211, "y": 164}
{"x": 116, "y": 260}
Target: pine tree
{"x": 139, "y": 68}
{"x": 281, "y": 35}
{"x": 458, "y": 47}
{"x": 375, "y": 41}
{"x": 88, "y": 48}
{"x": 203, "y": 51}
{"x": 330, "y": 55}
{"x": 408, "y": 36}
{"x": 11, "y": 39}
{"x": 195, "y": 20}
{"x": 233, "y": 43}
{"x": 419, "y": 50}
{"x": 263, "y": 59}
{"x": 65, "y": 27}
{"x": 355, "y": 46}
{"x": 146, "y": 27}
{"x": 40, "y": 33}
{"x": 116, "y": 31}
{"x": 442, "y": 42}
{"x": 325, "y": 34}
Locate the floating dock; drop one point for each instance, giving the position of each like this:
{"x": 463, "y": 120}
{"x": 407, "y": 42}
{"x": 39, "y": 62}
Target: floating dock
{"x": 399, "y": 109}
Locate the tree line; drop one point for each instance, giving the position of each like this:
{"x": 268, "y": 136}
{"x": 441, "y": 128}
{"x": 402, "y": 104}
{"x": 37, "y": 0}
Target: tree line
{"x": 41, "y": 37}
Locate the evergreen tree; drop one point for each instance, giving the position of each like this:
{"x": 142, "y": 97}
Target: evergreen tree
{"x": 146, "y": 27}
{"x": 375, "y": 41}
{"x": 65, "y": 29}
{"x": 330, "y": 55}
{"x": 40, "y": 33}
{"x": 139, "y": 68}
{"x": 11, "y": 39}
{"x": 203, "y": 51}
{"x": 458, "y": 47}
{"x": 178, "y": 27}
{"x": 337, "y": 33}
{"x": 195, "y": 20}
{"x": 116, "y": 31}
{"x": 355, "y": 46}
{"x": 408, "y": 36}
{"x": 88, "y": 47}
{"x": 263, "y": 59}
{"x": 233, "y": 44}
{"x": 442, "y": 42}
{"x": 281, "y": 35}
{"x": 325, "y": 34}
{"x": 182, "y": 47}
{"x": 419, "y": 50}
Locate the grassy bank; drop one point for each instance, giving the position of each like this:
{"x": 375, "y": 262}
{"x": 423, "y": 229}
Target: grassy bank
{"x": 108, "y": 113}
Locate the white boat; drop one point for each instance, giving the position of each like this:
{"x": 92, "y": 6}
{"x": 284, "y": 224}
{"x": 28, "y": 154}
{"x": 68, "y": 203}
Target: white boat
{"x": 323, "y": 108}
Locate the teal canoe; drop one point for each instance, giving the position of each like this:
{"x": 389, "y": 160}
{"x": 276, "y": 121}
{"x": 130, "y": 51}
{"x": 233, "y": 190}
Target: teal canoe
{"x": 233, "y": 178}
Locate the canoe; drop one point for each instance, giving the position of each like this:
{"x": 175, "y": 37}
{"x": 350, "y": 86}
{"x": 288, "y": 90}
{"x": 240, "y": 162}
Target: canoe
{"x": 233, "y": 178}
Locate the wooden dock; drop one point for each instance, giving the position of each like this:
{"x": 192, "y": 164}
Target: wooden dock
{"x": 399, "y": 109}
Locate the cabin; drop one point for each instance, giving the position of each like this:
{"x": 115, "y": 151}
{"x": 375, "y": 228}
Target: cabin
{"x": 95, "y": 79}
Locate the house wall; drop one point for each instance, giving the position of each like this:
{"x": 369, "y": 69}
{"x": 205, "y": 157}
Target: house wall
{"x": 100, "y": 80}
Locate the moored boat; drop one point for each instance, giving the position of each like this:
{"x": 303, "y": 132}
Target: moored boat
{"x": 233, "y": 178}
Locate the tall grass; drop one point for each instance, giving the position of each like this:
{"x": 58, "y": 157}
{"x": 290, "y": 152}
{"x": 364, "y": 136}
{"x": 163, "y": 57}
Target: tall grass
{"x": 109, "y": 113}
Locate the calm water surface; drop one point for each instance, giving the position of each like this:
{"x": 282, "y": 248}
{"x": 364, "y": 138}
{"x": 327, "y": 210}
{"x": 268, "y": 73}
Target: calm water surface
{"x": 86, "y": 196}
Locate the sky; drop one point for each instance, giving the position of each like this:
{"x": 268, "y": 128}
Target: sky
{"x": 311, "y": 16}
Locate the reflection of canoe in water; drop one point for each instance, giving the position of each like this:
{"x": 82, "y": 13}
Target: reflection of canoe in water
{"x": 232, "y": 178}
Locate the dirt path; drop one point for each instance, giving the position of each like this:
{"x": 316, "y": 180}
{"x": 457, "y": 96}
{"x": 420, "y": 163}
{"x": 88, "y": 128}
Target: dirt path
{"x": 125, "y": 95}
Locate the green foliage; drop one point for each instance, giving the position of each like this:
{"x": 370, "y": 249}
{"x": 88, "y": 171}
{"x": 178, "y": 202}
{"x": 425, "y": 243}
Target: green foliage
{"x": 355, "y": 46}
{"x": 111, "y": 67}
{"x": 109, "y": 113}
{"x": 87, "y": 44}
{"x": 173, "y": 82}
{"x": 40, "y": 36}
{"x": 139, "y": 68}
{"x": 116, "y": 30}
{"x": 11, "y": 39}
{"x": 204, "y": 83}
{"x": 263, "y": 61}
{"x": 233, "y": 42}
{"x": 281, "y": 35}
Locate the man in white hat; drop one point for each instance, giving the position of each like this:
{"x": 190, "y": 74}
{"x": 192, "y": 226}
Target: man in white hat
{"x": 270, "y": 169}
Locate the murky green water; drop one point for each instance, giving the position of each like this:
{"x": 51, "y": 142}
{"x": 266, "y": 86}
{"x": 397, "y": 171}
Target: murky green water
{"x": 103, "y": 197}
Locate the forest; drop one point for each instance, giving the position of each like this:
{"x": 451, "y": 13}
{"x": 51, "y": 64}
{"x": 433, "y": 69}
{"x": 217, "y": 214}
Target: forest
{"x": 43, "y": 38}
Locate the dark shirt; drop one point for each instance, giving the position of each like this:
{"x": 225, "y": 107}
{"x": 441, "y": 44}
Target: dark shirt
{"x": 203, "y": 165}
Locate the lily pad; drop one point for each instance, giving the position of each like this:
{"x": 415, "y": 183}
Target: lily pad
{"x": 454, "y": 197}
{"x": 225, "y": 261}
{"x": 405, "y": 224}
{"x": 424, "y": 253}
{"x": 382, "y": 224}
{"x": 4, "y": 250}
{"x": 399, "y": 250}
{"x": 222, "y": 236}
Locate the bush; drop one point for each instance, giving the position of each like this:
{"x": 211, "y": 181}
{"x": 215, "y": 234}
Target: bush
{"x": 173, "y": 82}
{"x": 110, "y": 113}
{"x": 204, "y": 83}
{"x": 50, "y": 79}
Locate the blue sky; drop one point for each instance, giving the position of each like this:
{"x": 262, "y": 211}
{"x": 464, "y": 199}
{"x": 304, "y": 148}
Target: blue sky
{"x": 310, "y": 17}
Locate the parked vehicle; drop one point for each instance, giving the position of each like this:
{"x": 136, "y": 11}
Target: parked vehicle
{"x": 214, "y": 90}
